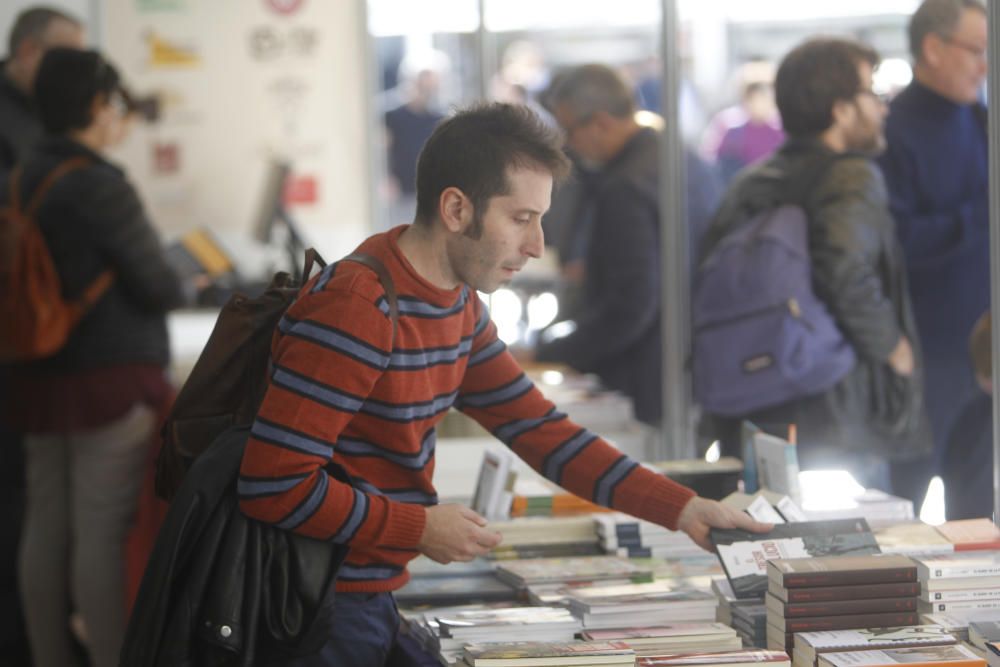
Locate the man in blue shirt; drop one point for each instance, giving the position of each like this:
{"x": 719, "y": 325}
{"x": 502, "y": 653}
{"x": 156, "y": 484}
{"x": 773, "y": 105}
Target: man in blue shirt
{"x": 936, "y": 170}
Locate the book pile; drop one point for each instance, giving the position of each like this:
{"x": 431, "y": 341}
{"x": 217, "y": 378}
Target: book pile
{"x": 632, "y": 605}
{"x": 435, "y": 584}
{"x": 810, "y": 645}
{"x": 913, "y": 538}
{"x": 756, "y": 657}
{"x": 534, "y": 654}
{"x": 624, "y": 535}
{"x": 446, "y": 631}
{"x": 839, "y": 593}
{"x": 546, "y": 537}
{"x": 960, "y": 584}
{"x": 918, "y": 656}
{"x": 748, "y": 618}
{"x": 670, "y": 638}
{"x": 525, "y": 573}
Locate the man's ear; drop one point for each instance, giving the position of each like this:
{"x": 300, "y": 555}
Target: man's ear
{"x": 455, "y": 208}
{"x": 843, "y": 113}
{"x": 930, "y": 49}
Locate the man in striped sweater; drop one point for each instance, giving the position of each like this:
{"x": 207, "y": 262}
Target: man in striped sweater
{"x": 346, "y": 386}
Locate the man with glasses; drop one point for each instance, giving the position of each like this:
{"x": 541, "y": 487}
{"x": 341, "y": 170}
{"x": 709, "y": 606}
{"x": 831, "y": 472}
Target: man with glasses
{"x": 834, "y": 121}
{"x": 936, "y": 171}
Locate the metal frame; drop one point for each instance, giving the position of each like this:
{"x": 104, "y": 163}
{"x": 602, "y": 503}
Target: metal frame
{"x": 994, "y": 174}
{"x": 676, "y": 432}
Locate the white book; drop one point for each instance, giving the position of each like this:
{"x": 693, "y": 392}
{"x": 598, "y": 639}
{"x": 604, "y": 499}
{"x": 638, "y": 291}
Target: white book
{"x": 809, "y": 644}
{"x": 957, "y": 655}
{"x": 777, "y": 465}
{"x": 966, "y": 565}
{"x": 960, "y": 595}
{"x": 488, "y": 497}
{"x": 951, "y": 607}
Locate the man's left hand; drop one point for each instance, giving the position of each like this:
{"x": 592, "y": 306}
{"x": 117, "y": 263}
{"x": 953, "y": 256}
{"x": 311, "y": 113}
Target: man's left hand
{"x": 701, "y": 514}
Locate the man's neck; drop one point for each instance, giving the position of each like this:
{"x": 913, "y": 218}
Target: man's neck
{"x": 927, "y": 79}
{"x": 833, "y": 139}
{"x": 621, "y": 139}
{"x": 88, "y": 138}
{"x": 426, "y": 252}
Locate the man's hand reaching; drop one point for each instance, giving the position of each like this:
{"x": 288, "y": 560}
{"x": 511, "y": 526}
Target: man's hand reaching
{"x": 454, "y": 532}
{"x": 701, "y": 514}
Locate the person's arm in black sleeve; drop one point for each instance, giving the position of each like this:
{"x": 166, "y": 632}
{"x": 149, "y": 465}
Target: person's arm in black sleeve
{"x": 127, "y": 238}
{"x": 628, "y": 301}
{"x": 845, "y": 246}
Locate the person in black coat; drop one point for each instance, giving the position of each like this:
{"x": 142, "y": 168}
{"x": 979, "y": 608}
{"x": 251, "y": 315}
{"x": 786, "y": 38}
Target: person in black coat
{"x": 88, "y": 410}
{"x": 834, "y": 119}
{"x": 34, "y": 31}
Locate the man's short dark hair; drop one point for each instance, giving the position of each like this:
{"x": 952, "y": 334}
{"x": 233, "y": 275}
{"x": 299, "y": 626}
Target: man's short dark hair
{"x": 32, "y": 24}
{"x": 813, "y": 77}
{"x": 473, "y": 150}
{"x": 939, "y": 17}
{"x": 67, "y": 83}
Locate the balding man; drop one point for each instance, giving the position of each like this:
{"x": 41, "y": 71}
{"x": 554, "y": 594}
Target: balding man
{"x": 35, "y": 31}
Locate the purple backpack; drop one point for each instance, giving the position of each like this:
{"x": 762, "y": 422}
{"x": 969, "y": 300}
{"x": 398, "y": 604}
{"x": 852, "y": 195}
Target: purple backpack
{"x": 761, "y": 336}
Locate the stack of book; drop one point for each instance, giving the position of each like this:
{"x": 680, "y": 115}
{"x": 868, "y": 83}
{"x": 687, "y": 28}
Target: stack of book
{"x": 918, "y": 656}
{"x": 625, "y": 535}
{"x": 533, "y": 654}
{"x": 632, "y": 605}
{"x": 810, "y": 645}
{"x": 982, "y": 633}
{"x": 546, "y": 537}
{"x": 750, "y": 621}
{"x": 670, "y": 638}
{"x": 446, "y": 632}
{"x": 913, "y": 538}
{"x": 839, "y": 593}
{"x": 755, "y": 657}
{"x": 962, "y": 584}
{"x": 525, "y": 573}
{"x": 435, "y": 584}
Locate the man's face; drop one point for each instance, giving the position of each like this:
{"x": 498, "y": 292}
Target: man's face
{"x": 582, "y": 136}
{"x": 959, "y": 61}
{"x": 510, "y": 232}
{"x": 865, "y": 134}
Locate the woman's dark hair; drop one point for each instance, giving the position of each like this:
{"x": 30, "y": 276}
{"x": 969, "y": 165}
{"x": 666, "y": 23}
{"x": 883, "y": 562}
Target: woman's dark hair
{"x": 813, "y": 77}
{"x": 66, "y": 85}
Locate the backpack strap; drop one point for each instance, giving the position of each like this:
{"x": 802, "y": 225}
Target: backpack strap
{"x": 387, "y": 284}
{"x": 38, "y": 196}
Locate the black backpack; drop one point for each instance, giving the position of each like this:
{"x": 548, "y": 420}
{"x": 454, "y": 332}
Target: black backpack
{"x": 228, "y": 382}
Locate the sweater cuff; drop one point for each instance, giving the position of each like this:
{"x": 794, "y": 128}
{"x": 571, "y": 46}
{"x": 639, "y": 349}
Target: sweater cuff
{"x": 665, "y": 502}
{"x": 405, "y": 525}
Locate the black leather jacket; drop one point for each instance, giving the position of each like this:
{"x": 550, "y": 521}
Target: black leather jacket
{"x": 221, "y": 589}
{"x": 858, "y": 271}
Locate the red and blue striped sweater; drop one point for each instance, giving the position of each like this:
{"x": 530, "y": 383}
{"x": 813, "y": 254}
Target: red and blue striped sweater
{"x": 338, "y": 391}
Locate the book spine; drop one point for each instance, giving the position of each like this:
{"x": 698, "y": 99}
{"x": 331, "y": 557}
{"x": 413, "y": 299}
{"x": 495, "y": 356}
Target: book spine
{"x": 852, "y": 621}
{"x": 841, "y": 607}
{"x": 959, "y": 571}
{"x": 848, "y": 577}
{"x": 834, "y": 593}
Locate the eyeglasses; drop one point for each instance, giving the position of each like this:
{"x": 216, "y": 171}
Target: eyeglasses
{"x": 978, "y": 52}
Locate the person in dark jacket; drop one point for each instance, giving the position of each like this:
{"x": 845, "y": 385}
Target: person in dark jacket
{"x": 618, "y": 337}
{"x": 936, "y": 168}
{"x": 34, "y": 31}
{"x": 967, "y": 467}
{"x": 834, "y": 122}
{"x": 87, "y": 410}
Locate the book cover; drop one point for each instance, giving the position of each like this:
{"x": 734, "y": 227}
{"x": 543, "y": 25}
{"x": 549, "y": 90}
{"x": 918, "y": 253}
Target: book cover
{"x": 971, "y": 564}
{"x": 840, "y": 607}
{"x": 680, "y": 631}
{"x": 842, "y": 570}
{"x": 983, "y": 632}
{"x": 777, "y": 465}
{"x": 547, "y": 653}
{"x": 594, "y": 568}
{"x": 912, "y": 538}
{"x": 744, "y": 555}
{"x": 849, "y": 592}
{"x": 815, "y": 623}
{"x": 494, "y": 472}
{"x": 811, "y": 643}
{"x": 742, "y": 657}
{"x": 971, "y": 534}
{"x": 954, "y": 656}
